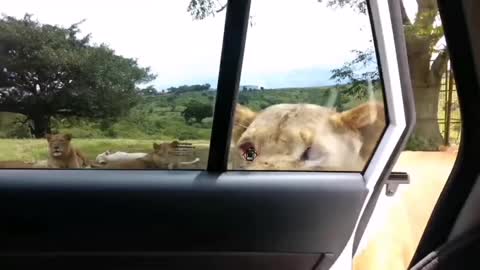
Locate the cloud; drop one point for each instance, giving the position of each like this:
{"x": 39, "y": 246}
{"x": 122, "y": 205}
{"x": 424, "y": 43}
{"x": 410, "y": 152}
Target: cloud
{"x": 287, "y": 36}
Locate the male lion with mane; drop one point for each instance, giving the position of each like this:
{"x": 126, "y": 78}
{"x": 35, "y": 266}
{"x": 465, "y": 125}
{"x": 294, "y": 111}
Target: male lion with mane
{"x": 307, "y": 137}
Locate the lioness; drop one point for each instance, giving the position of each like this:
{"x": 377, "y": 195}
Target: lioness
{"x": 62, "y": 155}
{"x": 306, "y": 137}
{"x": 109, "y": 156}
{"x": 164, "y": 156}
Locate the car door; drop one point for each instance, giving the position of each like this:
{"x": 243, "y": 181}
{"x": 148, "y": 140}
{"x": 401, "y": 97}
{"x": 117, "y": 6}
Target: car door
{"x": 214, "y": 218}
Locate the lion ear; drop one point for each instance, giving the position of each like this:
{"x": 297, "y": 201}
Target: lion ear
{"x": 156, "y": 146}
{"x": 68, "y": 136}
{"x": 242, "y": 119}
{"x": 361, "y": 116}
{"x": 369, "y": 120}
{"x": 107, "y": 152}
{"x": 48, "y": 136}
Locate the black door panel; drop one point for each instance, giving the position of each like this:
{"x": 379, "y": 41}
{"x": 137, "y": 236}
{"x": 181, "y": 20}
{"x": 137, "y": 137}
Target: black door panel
{"x": 171, "y": 212}
{"x": 167, "y": 261}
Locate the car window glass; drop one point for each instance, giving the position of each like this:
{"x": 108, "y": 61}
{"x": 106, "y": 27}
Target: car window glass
{"x": 311, "y": 95}
{"x": 127, "y": 85}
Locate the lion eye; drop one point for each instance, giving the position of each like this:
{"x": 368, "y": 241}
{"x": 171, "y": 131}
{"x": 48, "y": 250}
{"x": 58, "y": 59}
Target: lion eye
{"x": 248, "y": 151}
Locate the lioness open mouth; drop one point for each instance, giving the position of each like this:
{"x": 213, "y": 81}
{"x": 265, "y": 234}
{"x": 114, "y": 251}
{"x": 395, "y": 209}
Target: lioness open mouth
{"x": 57, "y": 153}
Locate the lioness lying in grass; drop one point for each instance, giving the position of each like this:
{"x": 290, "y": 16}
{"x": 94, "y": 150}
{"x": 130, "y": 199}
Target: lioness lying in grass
{"x": 164, "y": 156}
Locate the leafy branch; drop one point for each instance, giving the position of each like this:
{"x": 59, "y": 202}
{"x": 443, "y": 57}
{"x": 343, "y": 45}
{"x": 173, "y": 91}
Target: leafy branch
{"x": 358, "y": 72}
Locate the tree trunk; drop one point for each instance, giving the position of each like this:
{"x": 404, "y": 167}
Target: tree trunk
{"x": 426, "y": 106}
{"x": 41, "y": 125}
{"x": 426, "y": 80}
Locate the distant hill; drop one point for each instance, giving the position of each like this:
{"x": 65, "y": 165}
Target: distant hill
{"x": 160, "y": 116}
{"x": 304, "y": 77}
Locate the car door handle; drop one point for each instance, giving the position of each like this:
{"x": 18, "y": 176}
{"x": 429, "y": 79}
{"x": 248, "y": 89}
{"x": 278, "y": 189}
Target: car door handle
{"x": 395, "y": 179}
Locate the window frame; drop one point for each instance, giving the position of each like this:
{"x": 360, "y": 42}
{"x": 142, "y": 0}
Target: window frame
{"x": 394, "y": 133}
{"x": 233, "y": 47}
{"x": 410, "y": 118}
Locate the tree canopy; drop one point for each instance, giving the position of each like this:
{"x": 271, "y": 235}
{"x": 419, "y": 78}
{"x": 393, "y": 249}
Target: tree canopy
{"x": 197, "y": 110}
{"x": 48, "y": 70}
{"x": 427, "y": 62}
{"x": 189, "y": 88}
{"x": 200, "y": 9}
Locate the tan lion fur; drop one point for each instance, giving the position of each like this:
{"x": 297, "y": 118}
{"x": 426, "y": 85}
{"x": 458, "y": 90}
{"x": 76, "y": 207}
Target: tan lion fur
{"x": 62, "y": 155}
{"x": 162, "y": 157}
{"x": 282, "y": 133}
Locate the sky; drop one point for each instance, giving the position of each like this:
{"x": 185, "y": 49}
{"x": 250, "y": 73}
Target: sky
{"x": 292, "y": 43}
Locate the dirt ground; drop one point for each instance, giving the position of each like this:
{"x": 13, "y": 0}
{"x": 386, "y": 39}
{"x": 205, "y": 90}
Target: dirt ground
{"x": 398, "y": 222}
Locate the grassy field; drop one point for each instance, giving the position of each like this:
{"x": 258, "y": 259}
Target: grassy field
{"x": 36, "y": 149}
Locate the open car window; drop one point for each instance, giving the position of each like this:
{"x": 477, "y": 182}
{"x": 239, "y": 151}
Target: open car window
{"x": 78, "y": 90}
{"x": 311, "y": 97}
{"x": 106, "y": 95}
{"x": 107, "y": 100}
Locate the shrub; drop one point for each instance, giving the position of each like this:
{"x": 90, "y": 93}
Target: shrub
{"x": 82, "y": 132}
{"x": 197, "y": 111}
{"x": 111, "y": 133}
{"x": 18, "y": 131}
{"x": 420, "y": 144}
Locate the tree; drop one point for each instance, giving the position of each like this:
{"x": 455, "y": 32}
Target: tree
{"x": 149, "y": 91}
{"x": 200, "y": 9}
{"x": 189, "y": 88}
{"x": 48, "y": 71}
{"x": 197, "y": 111}
{"x": 422, "y": 35}
{"x": 358, "y": 81}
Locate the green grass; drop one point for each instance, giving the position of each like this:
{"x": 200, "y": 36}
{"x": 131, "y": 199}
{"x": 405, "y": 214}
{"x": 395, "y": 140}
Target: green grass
{"x": 36, "y": 149}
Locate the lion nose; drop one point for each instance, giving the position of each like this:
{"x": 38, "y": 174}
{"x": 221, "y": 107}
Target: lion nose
{"x": 56, "y": 147}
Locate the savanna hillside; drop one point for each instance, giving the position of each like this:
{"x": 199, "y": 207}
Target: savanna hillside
{"x": 177, "y": 114}
{"x": 55, "y": 79}
{"x": 183, "y": 116}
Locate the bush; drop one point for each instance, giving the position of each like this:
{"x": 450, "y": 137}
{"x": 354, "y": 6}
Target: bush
{"x": 420, "y": 144}
{"x": 123, "y": 129}
{"x": 159, "y": 124}
{"x": 82, "y": 132}
{"x": 18, "y": 131}
{"x": 111, "y": 133}
{"x": 197, "y": 111}
{"x": 183, "y": 135}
